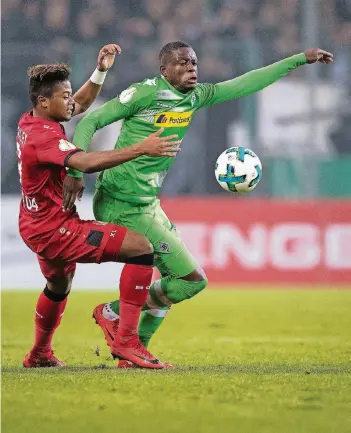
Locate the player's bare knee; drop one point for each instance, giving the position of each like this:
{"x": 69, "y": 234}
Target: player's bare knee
{"x": 61, "y": 285}
{"x": 135, "y": 245}
{"x": 201, "y": 280}
{"x": 144, "y": 255}
{"x": 145, "y": 246}
{"x": 70, "y": 280}
{"x": 202, "y": 276}
{"x": 196, "y": 276}
{"x": 204, "y": 280}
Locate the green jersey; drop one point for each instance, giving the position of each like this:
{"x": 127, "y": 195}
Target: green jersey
{"x": 153, "y": 104}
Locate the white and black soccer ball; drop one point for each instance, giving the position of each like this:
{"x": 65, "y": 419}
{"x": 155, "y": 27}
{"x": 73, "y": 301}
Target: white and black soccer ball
{"x": 238, "y": 170}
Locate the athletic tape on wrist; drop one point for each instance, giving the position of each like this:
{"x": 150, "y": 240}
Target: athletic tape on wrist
{"x": 98, "y": 77}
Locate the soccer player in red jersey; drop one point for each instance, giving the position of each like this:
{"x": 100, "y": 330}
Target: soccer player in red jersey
{"x": 60, "y": 238}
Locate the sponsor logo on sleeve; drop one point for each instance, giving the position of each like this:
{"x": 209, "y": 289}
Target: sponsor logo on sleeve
{"x": 65, "y": 145}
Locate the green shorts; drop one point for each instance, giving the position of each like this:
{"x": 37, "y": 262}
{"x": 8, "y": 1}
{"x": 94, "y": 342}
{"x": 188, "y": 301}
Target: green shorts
{"x": 172, "y": 256}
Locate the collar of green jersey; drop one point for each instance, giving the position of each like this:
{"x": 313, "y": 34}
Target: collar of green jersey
{"x": 173, "y": 89}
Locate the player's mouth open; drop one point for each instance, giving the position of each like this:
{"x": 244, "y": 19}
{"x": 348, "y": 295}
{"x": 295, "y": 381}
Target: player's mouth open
{"x": 71, "y": 109}
{"x": 192, "y": 79}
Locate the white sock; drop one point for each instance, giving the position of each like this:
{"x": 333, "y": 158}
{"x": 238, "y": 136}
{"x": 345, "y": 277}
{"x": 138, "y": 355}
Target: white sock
{"x": 108, "y": 313}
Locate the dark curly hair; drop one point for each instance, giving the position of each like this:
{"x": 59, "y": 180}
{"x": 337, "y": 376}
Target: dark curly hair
{"x": 43, "y": 78}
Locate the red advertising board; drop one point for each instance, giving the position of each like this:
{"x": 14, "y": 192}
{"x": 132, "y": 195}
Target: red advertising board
{"x": 266, "y": 241}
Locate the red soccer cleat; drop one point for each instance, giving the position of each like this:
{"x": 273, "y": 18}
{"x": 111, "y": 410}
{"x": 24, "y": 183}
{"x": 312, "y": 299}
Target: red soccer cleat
{"x": 123, "y": 363}
{"x": 42, "y": 359}
{"x": 168, "y": 365}
{"x": 134, "y": 351}
{"x": 109, "y": 327}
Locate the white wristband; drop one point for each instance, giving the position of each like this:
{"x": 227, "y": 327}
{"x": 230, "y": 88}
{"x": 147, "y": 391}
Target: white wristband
{"x": 98, "y": 77}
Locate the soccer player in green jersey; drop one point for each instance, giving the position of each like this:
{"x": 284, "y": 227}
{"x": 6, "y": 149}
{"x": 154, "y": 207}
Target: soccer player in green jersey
{"x": 127, "y": 194}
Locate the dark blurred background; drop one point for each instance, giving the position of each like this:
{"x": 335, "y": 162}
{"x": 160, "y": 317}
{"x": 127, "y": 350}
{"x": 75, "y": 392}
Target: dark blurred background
{"x": 300, "y": 127}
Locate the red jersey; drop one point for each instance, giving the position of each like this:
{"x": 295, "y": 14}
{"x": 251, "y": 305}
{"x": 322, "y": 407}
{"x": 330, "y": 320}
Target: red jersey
{"x": 43, "y": 152}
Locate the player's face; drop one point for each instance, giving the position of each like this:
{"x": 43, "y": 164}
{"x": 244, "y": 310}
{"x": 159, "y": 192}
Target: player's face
{"x": 60, "y": 106}
{"x": 181, "y": 69}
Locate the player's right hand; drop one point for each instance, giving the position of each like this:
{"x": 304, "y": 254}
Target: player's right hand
{"x": 107, "y": 56}
{"x": 154, "y": 145}
{"x": 73, "y": 188}
{"x": 317, "y": 55}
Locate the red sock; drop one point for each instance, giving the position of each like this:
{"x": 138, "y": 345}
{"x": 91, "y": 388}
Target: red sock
{"x": 134, "y": 288}
{"x": 48, "y": 314}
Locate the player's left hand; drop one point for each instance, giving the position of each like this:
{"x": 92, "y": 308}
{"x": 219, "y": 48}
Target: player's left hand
{"x": 106, "y": 56}
{"x": 73, "y": 188}
{"x": 317, "y": 55}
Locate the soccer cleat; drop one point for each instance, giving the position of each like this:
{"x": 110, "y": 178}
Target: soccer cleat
{"x": 123, "y": 363}
{"x": 109, "y": 327}
{"x": 168, "y": 365}
{"x": 134, "y": 351}
{"x": 42, "y": 359}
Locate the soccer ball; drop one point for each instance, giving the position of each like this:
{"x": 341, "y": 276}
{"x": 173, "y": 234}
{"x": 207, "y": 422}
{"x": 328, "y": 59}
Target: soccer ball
{"x": 238, "y": 170}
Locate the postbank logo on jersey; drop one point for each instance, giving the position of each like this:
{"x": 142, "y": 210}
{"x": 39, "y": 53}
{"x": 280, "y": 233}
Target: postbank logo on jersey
{"x": 170, "y": 119}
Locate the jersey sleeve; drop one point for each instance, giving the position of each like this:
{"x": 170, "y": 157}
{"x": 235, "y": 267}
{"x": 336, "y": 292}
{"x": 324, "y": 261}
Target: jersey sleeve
{"x": 55, "y": 150}
{"x": 128, "y": 103}
{"x": 205, "y": 94}
{"x": 254, "y": 81}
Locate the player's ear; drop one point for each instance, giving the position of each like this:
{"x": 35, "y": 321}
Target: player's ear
{"x": 43, "y": 101}
{"x": 163, "y": 70}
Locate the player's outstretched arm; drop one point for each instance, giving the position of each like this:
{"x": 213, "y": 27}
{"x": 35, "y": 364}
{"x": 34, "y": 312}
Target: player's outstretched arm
{"x": 91, "y": 162}
{"x": 153, "y": 145}
{"x": 258, "y": 79}
{"x": 86, "y": 95}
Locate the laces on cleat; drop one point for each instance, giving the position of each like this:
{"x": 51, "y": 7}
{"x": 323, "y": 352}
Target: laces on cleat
{"x": 134, "y": 351}
{"x": 144, "y": 353}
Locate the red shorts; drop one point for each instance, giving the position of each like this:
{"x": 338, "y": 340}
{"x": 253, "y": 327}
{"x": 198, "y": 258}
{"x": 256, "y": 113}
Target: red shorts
{"x": 79, "y": 241}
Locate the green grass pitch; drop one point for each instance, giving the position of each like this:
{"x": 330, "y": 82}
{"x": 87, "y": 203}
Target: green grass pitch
{"x": 248, "y": 361}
